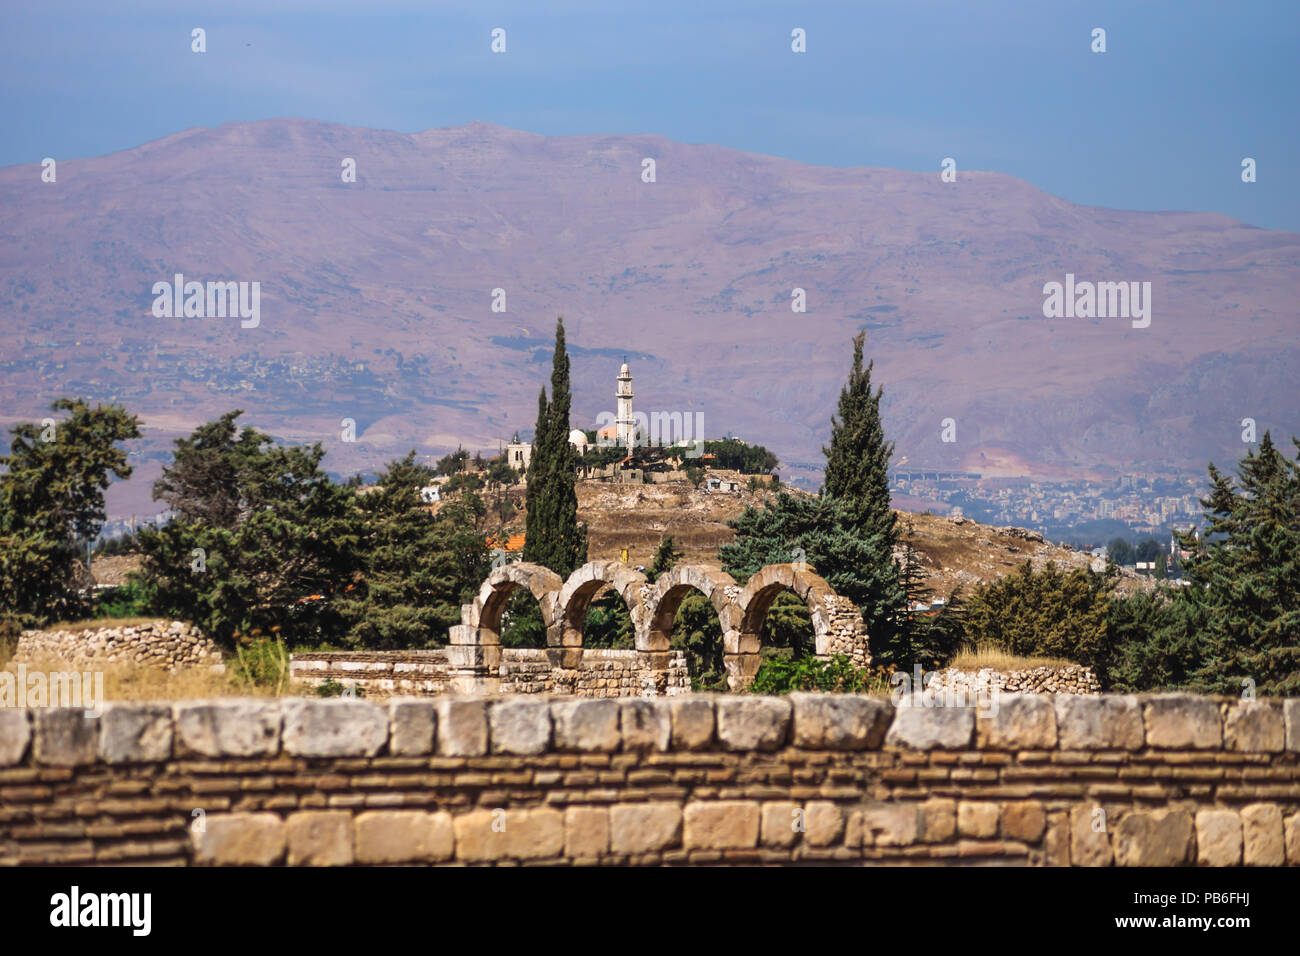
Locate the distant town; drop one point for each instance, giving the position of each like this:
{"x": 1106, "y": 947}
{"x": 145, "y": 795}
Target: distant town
{"x": 1078, "y": 512}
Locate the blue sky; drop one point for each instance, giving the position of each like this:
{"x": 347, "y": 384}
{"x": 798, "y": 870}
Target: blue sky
{"x": 1161, "y": 120}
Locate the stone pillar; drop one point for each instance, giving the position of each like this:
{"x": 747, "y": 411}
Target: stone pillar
{"x": 654, "y": 672}
{"x": 472, "y": 667}
{"x": 845, "y": 631}
{"x": 563, "y": 645}
{"x": 741, "y": 669}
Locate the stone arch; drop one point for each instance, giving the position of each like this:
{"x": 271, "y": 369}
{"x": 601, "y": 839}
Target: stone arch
{"x": 543, "y": 583}
{"x": 664, "y": 597}
{"x": 836, "y": 620}
{"x": 474, "y": 651}
{"x": 576, "y": 596}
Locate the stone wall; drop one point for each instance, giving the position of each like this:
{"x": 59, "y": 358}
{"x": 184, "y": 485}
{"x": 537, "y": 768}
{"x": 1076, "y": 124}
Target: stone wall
{"x": 168, "y": 645}
{"x": 1071, "y": 679}
{"x": 1065, "y": 780}
{"x": 602, "y": 672}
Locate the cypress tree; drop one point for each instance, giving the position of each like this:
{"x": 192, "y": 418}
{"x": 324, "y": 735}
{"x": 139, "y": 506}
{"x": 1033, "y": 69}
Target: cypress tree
{"x": 554, "y": 538}
{"x": 535, "y": 520}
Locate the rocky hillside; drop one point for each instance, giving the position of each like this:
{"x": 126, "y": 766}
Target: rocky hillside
{"x": 953, "y": 551}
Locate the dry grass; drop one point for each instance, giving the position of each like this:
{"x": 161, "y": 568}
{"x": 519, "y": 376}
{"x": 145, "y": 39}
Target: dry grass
{"x": 95, "y": 624}
{"x": 128, "y": 682}
{"x": 974, "y": 659}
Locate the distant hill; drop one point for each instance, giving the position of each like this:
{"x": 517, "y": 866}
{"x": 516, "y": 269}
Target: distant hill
{"x": 951, "y": 552}
{"x": 376, "y": 299}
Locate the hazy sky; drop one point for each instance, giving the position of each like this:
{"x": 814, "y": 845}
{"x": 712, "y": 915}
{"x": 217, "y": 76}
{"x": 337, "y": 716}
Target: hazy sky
{"x": 1162, "y": 120}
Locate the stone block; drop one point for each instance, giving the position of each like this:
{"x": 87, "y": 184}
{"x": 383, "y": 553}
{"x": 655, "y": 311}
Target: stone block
{"x": 319, "y": 838}
{"x": 891, "y": 824}
{"x": 1291, "y": 833}
{"x": 1096, "y": 722}
{"x": 333, "y": 727}
{"x": 840, "y": 721}
{"x": 490, "y": 835}
{"x": 519, "y": 725}
{"x": 1154, "y": 837}
{"x": 65, "y": 737}
{"x": 1255, "y": 726}
{"x": 1183, "y": 722}
{"x": 462, "y": 726}
{"x": 228, "y": 728}
{"x": 403, "y": 836}
{"x": 931, "y": 728}
{"x": 825, "y": 823}
{"x": 1218, "y": 838}
{"x": 721, "y": 824}
{"x": 781, "y": 823}
{"x": 486, "y": 657}
{"x": 1291, "y": 711}
{"x": 645, "y": 723}
{"x": 977, "y": 819}
{"x": 693, "y": 721}
{"x": 15, "y": 735}
{"x": 854, "y": 830}
{"x": 644, "y": 827}
{"x": 1019, "y": 722}
{"x": 1024, "y": 820}
{"x": 239, "y": 839}
{"x": 586, "y": 724}
{"x": 135, "y": 733}
{"x": 412, "y": 726}
{"x": 938, "y": 820}
{"x": 753, "y": 723}
{"x": 1090, "y": 837}
{"x": 1261, "y": 835}
{"x": 586, "y": 832}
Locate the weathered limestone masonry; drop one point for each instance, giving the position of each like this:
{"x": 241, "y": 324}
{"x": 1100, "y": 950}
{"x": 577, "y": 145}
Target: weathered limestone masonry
{"x": 170, "y": 645}
{"x": 475, "y": 649}
{"x": 1072, "y": 679}
{"x": 602, "y": 673}
{"x": 1065, "y": 780}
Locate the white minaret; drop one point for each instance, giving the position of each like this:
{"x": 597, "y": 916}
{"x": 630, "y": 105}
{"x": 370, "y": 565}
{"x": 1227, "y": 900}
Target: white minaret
{"x": 626, "y": 424}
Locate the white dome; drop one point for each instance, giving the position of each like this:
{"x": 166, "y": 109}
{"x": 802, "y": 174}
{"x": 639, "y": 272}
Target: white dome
{"x": 577, "y": 437}
{"x": 624, "y": 371}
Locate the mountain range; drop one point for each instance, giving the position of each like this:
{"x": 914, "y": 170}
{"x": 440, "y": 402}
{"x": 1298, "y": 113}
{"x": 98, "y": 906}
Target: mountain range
{"x": 378, "y": 301}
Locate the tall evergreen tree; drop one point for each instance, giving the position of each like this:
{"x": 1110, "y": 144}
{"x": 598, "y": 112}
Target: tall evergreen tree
{"x": 857, "y": 461}
{"x": 554, "y": 538}
{"x": 1245, "y": 577}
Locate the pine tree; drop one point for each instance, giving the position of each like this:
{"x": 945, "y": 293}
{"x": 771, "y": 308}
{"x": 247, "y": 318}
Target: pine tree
{"x": 416, "y": 568}
{"x": 857, "y": 461}
{"x": 291, "y": 551}
{"x": 52, "y": 503}
{"x": 666, "y": 555}
{"x": 554, "y": 538}
{"x": 1244, "y": 579}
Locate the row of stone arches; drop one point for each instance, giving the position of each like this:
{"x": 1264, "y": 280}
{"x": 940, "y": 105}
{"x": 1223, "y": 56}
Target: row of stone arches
{"x": 475, "y": 648}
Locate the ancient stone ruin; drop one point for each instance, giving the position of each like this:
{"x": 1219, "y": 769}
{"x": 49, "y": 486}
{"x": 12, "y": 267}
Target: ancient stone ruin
{"x": 166, "y": 645}
{"x": 475, "y": 653}
{"x": 1067, "y": 679}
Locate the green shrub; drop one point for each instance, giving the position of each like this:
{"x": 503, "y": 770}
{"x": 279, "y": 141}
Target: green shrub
{"x": 778, "y": 675}
{"x": 262, "y": 663}
{"x": 1049, "y": 613}
{"x": 132, "y": 599}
